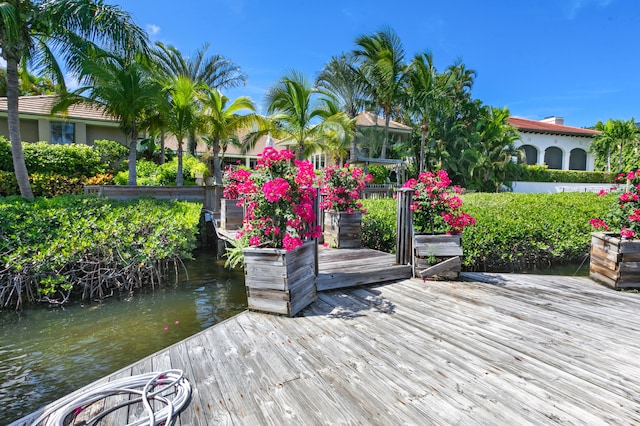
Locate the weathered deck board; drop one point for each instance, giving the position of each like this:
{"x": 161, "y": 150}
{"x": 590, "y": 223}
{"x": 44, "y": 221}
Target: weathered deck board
{"x": 500, "y": 349}
{"x": 342, "y": 268}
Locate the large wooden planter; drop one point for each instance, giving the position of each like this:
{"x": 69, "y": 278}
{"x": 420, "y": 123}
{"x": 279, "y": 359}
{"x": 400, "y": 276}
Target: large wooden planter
{"x": 437, "y": 256}
{"x": 342, "y": 230}
{"x": 615, "y": 262}
{"x": 279, "y": 281}
{"x": 231, "y": 215}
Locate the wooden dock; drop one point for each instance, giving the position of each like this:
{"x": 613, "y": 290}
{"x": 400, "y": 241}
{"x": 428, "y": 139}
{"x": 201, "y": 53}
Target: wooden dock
{"x": 498, "y": 349}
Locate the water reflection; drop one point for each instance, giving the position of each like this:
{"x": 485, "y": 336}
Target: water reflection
{"x": 47, "y": 353}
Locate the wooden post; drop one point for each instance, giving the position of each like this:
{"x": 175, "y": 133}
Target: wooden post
{"x": 404, "y": 227}
{"x": 318, "y": 222}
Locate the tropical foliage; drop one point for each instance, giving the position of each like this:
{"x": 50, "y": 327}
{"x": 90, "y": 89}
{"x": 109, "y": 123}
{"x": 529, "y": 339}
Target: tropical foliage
{"x": 41, "y": 32}
{"x": 86, "y": 248}
{"x": 624, "y": 213}
{"x": 279, "y": 201}
{"x": 618, "y": 140}
{"x": 436, "y": 205}
{"x": 341, "y": 188}
{"x": 512, "y": 231}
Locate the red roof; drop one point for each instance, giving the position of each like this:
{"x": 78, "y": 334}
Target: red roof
{"x": 534, "y": 126}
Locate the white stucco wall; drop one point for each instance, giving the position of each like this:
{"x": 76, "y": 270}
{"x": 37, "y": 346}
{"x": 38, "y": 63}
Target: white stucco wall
{"x": 565, "y": 143}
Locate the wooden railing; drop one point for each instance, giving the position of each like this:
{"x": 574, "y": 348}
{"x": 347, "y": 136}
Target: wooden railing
{"x": 379, "y": 191}
{"x": 209, "y": 196}
{"x": 404, "y": 227}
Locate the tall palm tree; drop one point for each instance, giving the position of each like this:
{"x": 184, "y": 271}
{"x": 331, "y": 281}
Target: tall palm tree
{"x": 383, "y": 65}
{"x": 183, "y": 113}
{"x": 39, "y": 31}
{"x": 422, "y": 87}
{"x": 615, "y": 133}
{"x": 125, "y": 89}
{"x": 298, "y": 110}
{"x": 342, "y": 78}
{"x": 222, "y": 121}
{"x": 213, "y": 71}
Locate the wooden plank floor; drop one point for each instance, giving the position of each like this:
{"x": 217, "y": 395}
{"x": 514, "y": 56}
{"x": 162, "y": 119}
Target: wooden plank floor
{"x": 341, "y": 268}
{"x": 498, "y": 349}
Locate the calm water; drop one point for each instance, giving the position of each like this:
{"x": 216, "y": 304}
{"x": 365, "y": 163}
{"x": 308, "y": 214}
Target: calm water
{"x": 46, "y": 353}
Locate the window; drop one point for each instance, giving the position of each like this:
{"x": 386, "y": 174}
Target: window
{"x": 63, "y": 133}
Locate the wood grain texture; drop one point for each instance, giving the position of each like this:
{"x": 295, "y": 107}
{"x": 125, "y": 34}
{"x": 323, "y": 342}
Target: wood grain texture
{"x": 501, "y": 349}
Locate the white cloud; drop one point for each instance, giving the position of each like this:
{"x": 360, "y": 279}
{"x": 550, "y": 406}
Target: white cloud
{"x": 71, "y": 80}
{"x": 153, "y": 29}
{"x": 576, "y": 5}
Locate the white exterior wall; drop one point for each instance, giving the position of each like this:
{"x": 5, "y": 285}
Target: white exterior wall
{"x": 565, "y": 143}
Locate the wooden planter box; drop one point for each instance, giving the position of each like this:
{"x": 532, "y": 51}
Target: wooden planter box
{"x": 615, "y": 262}
{"x": 279, "y": 281}
{"x": 342, "y": 230}
{"x": 437, "y": 256}
{"x": 231, "y": 215}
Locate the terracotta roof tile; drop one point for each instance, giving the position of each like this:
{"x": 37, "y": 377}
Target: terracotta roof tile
{"x": 41, "y": 105}
{"x": 534, "y": 126}
{"x": 368, "y": 119}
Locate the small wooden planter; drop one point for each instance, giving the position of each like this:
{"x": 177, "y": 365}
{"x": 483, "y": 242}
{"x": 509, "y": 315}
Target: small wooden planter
{"x": 279, "y": 281}
{"x": 231, "y": 215}
{"x": 615, "y": 262}
{"x": 342, "y": 230}
{"x": 437, "y": 256}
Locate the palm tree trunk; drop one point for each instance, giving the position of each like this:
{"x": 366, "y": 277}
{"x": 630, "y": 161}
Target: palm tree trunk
{"x": 13, "y": 121}
{"x": 217, "y": 171}
{"x": 191, "y": 144}
{"x": 387, "y": 119}
{"x": 133, "y": 154}
{"x": 422, "y": 144}
{"x": 179, "y": 175}
{"x": 162, "y": 149}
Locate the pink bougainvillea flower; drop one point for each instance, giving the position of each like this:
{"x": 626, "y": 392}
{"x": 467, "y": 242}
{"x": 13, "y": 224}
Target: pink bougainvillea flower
{"x": 627, "y": 233}
{"x": 599, "y": 224}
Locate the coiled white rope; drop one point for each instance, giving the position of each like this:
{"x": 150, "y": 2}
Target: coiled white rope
{"x": 157, "y": 386}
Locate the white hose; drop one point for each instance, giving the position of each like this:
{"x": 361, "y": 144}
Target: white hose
{"x": 155, "y": 386}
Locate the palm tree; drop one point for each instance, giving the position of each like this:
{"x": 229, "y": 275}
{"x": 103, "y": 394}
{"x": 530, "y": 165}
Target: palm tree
{"x": 382, "y": 57}
{"x": 423, "y": 93}
{"x": 298, "y": 111}
{"x": 214, "y": 72}
{"x": 183, "y": 113}
{"x": 342, "y": 78}
{"x": 222, "y": 122}
{"x": 615, "y": 133}
{"x": 124, "y": 88}
{"x": 39, "y": 31}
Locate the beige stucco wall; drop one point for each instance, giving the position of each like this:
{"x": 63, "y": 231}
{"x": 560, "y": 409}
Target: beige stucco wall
{"x": 109, "y": 133}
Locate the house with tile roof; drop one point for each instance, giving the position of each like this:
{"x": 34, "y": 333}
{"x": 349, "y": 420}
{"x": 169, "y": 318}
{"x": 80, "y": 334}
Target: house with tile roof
{"x": 81, "y": 124}
{"x": 551, "y": 142}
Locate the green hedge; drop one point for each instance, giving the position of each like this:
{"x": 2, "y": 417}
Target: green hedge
{"x": 543, "y": 174}
{"x": 512, "y": 232}
{"x": 43, "y": 184}
{"x": 55, "y": 248}
{"x": 46, "y": 158}
{"x": 149, "y": 173}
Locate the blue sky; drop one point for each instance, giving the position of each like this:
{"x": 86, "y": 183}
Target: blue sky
{"x": 575, "y": 59}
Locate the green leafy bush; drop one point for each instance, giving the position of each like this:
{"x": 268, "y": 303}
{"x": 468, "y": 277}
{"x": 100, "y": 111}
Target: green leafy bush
{"x": 89, "y": 246}
{"x": 537, "y": 173}
{"x": 112, "y": 153}
{"x": 379, "y": 173}
{"x": 149, "y": 173}
{"x": 512, "y": 231}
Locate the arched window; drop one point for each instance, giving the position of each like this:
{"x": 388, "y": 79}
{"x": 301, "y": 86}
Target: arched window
{"x": 553, "y": 158}
{"x": 578, "y": 159}
{"x": 531, "y": 154}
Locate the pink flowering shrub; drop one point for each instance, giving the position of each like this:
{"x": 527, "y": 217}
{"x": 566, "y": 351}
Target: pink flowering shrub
{"x": 236, "y": 180}
{"x": 341, "y": 188}
{"x": 436, "y": 204}
{"x": 625, "y": 212}
{"x": 279, "y": 198}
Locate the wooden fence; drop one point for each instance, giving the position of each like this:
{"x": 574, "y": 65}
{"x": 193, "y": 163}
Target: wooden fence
{"x": 209, "y": 196}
